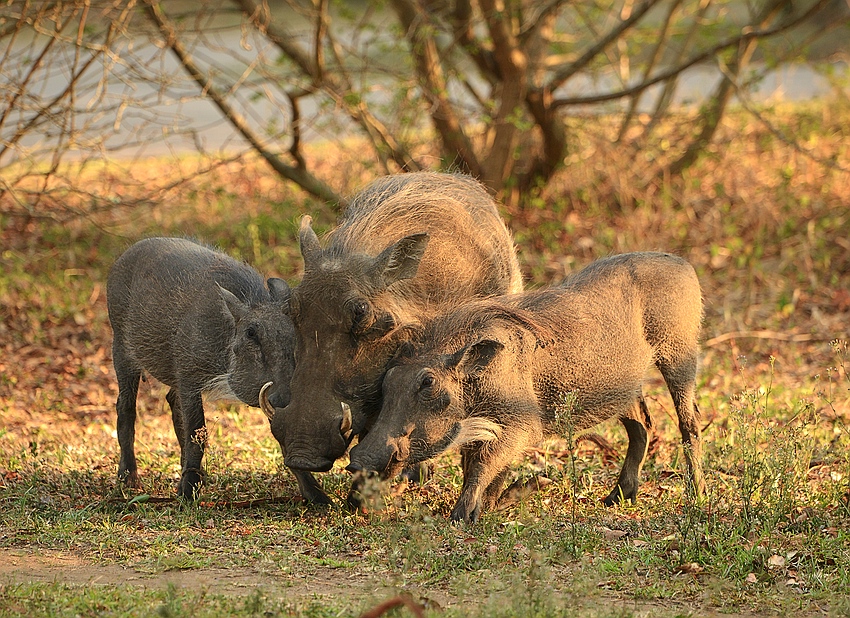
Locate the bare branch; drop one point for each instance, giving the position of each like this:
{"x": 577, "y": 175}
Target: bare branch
{"x": 666, "y": 97}
{"x": 512, "y": 64}
{"x": 746, "y": 35}
{"x": 296, "y": 174}
{"x": 261, "y": 18}
{"x": 541, "y": 15}
{"x": 36, "y": 66}
{"x": 321, "y": 30}
{"x": 295, "y": 147}
{"x": 45, "y": 110}
{"x": 565, "y": 73}
{"x": 650, "y": 66}
{"x": 713, "y": 112}
{"x": 480, "y": 52}
{"x": 381, "y": 138}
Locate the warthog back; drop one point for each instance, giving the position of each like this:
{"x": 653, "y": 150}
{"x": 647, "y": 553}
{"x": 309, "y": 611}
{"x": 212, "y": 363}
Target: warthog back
{"x": 494, "y": 376}
{"x": 202, "y": 323}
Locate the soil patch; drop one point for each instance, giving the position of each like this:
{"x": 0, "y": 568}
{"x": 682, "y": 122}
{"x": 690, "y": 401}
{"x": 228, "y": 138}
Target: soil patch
{"x": 25, "y": 566}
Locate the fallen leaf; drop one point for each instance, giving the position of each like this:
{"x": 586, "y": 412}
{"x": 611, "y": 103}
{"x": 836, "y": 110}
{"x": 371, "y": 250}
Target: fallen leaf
{"x": 612, "y": 535}
{"x": 776, "y": 561}
{"x": 689, "y": 567}
{"x": 752, "y": 578}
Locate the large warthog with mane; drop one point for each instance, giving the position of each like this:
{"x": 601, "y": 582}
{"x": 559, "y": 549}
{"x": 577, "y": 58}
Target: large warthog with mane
{"x": 407, "y": 247}
{"x": 203, "y": 324}
{"x": 494, "y": 376}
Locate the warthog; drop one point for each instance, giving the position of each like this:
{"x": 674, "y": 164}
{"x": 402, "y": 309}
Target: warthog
{"x": 200, "y": 322}
{"x": 407, "y": 247}
{"x": 493, "y": 377}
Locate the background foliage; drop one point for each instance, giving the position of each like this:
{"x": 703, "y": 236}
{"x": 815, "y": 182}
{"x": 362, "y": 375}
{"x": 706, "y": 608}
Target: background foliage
{"x": 489, "y": 87}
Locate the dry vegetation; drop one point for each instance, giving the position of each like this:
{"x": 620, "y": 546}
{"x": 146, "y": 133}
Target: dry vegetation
{"x": 765, "y": 222}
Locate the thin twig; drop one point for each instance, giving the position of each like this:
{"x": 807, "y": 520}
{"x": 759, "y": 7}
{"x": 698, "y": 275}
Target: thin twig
{"x": 746, "y": 35}
{"x": 763, "y": 334}
{"x": 296, "y": 174}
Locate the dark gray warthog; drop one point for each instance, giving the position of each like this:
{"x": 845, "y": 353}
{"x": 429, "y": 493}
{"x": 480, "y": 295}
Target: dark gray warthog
{"x": 493, "y": 377}
{"x": 200, "y": 322}
{"x": 407, "y": 247}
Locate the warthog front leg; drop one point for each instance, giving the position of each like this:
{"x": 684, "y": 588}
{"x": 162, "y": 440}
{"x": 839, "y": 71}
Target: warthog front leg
{"x": 485, "y": 466}
{"x": 635, "y": 423}
{"x": 310, "y": 488}
{"x": 128, "y": 387}
{"x": 194, "y": 442}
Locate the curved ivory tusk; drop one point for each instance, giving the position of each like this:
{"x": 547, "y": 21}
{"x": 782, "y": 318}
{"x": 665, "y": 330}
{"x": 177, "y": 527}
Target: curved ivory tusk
{"x": 345, "y": 426}
{"x": 265, "y": 405}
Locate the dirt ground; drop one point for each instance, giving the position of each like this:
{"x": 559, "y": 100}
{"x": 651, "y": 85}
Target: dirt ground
{"x": 22, "y": 566}
{"x": 19, "y": 566}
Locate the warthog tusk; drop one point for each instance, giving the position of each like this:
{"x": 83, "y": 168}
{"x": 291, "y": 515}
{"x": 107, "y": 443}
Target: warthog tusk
{"x": 265, "y": 405}
{"x": 345, "y": 426}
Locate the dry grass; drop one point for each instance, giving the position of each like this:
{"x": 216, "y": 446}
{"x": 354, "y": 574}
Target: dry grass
{"x": 767, "y": 228}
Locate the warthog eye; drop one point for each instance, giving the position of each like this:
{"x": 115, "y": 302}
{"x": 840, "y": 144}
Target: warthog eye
{"x": 361, "y": 313}
{"x": 251, "y": 333}
{"x": 427, "y": 381}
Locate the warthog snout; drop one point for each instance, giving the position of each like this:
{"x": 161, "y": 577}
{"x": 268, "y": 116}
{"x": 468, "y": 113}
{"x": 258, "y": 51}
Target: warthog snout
{"x": 302, "y": 452}
{"x": 387, "y": 458}
{"x": 269, "y": 403}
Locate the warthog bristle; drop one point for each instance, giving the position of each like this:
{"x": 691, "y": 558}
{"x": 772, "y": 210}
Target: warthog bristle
{"x": 477, "y": 429}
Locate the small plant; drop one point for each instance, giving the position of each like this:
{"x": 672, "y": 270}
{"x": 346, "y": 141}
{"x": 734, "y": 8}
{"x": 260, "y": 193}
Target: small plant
{"x": 841, "y": 443}
{"x": 772, "y": 453}
{"x": 565, "y": 427}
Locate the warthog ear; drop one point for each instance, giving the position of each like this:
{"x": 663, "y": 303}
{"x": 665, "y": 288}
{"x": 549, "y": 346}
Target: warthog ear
{"x": 310, "y": 247}
{"x": 279, "y": 290}
{"x": 400, "y": 260}
{"x": 474, "y": 359}
{"x": 237, "y": 308}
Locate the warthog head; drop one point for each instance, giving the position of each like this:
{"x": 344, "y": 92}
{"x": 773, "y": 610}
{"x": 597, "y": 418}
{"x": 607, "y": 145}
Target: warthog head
{"x": 460, "y": 384}
{"x": 346, "y": 328}
{"x": 424, "y": 411}
{"x": 262, "y": 349}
